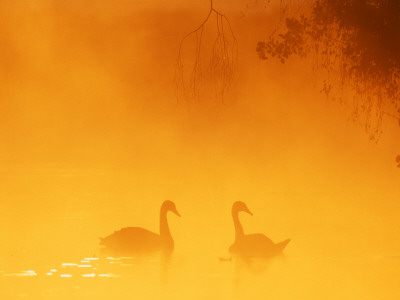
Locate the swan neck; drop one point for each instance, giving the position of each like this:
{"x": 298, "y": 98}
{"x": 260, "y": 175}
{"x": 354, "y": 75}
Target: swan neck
{"x": 239, "y": 233}
{"x": 164, "y": 228}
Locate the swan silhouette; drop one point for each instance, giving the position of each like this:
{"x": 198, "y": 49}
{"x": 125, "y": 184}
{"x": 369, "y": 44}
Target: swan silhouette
{"x": 139, "y": 241}
{"x": 252, "y": 245}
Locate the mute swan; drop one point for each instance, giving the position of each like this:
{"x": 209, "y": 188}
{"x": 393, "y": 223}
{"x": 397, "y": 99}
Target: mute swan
{"x": 136, "y": 240}
{"x": 252, "y": 245}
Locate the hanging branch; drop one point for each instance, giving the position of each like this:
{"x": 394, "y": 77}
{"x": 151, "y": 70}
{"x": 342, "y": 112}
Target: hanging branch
{"x": 205, "y": 75}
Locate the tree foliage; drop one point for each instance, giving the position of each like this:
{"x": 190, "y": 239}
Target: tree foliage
{"x": 357, "y": 40}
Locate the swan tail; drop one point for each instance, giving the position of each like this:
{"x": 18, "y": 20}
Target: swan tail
{"x": 280, "y": 246}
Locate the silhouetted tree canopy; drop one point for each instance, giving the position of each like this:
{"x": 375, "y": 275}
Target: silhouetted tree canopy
{"x": 358, "y": 40}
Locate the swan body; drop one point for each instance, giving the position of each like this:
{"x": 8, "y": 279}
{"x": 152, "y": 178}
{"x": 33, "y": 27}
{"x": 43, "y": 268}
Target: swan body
{"x": 252, "y": 245}
{"x": 140, "y": 241}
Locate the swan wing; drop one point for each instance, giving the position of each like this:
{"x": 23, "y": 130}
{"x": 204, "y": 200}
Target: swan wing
{"x": 132, "y": 240}
{"x": 257, "y": 245}
{"x": 258, "y": 241}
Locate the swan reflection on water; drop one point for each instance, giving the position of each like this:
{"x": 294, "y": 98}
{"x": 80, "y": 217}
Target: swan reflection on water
{"x": 138, "y": 242}
{"x": 251, "y": 253}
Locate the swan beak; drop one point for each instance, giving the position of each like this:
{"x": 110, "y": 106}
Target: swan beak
{"x": 249, "y": 212}
{"x": 176, "y": 212}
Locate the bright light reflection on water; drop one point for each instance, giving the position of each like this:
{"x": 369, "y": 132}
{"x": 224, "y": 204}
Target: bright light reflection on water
{"x": 330, "y": 277}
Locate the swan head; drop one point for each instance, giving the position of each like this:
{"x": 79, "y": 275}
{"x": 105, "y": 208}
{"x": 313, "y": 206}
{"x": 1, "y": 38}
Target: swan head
{"x": 169, "y": 206}
{"x": 239, "y": 206}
